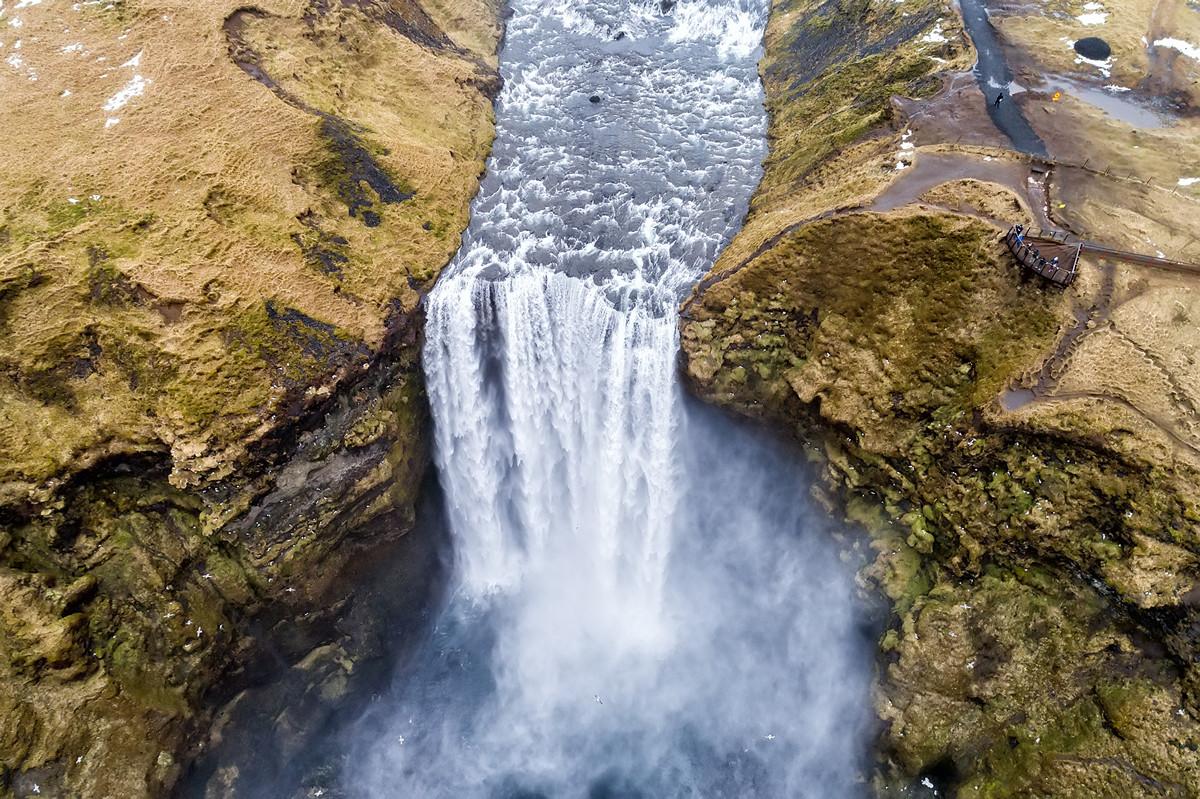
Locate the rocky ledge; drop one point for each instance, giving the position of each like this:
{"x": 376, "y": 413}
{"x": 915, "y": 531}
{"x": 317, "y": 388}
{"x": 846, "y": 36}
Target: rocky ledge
{"x": 211, "y": 412}
{"x": 1025, "y": 461}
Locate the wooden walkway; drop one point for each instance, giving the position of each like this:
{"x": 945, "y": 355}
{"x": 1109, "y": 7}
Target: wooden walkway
{"x": 1049, "y": 255}
{"x": 1054, "y": 255}
{"x": 1138, "y": 258}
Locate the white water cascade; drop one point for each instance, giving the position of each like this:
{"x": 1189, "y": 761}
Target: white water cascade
{"x": 636, "y": 607}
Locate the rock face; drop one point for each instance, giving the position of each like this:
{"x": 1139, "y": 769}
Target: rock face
{"x": 1025, "y": 461}
{"x": 216, "y": 225}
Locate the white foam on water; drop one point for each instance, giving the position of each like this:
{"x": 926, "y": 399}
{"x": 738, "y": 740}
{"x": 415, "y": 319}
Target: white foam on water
{"x": 737, "y": 31}
{"x": 636, "y": 603}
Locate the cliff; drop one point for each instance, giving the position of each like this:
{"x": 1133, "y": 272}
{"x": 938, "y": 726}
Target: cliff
{"x": 1024, "y": 460}
{"x": 216, "y": 224}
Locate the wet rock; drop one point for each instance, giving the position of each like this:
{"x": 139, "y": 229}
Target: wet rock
{"x": 274, "y": 736}
{"x": 595, "y": 98}
{"x": 1094, "y": 48}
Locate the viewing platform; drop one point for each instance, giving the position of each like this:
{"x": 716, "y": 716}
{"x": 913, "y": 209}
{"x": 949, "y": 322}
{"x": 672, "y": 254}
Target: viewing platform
{"x": 1049, "y": 255}
{"x": 1054, "y": 255}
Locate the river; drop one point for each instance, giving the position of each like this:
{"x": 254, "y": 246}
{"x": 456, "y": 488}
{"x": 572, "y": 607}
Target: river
{"x": 641, "y": 602}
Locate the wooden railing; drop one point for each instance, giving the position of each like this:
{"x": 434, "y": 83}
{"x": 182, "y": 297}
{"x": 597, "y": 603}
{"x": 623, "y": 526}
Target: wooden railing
{"x": 1060, "y": 270}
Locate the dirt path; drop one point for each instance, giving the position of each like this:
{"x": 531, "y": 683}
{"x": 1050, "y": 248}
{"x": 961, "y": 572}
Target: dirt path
{"x": 932, "y": 169}
{"x": 1094, "y": 316}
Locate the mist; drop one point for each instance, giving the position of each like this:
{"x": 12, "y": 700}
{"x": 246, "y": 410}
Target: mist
{"x": 641, "y": 601}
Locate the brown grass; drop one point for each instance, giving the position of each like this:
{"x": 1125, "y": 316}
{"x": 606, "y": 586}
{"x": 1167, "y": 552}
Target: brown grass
{"x": 135, "y": 320}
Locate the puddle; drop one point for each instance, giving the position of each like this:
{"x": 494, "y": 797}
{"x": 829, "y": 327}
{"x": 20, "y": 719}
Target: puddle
{"x": 1013, "y": 399}
{"x": 1115, "y": 105}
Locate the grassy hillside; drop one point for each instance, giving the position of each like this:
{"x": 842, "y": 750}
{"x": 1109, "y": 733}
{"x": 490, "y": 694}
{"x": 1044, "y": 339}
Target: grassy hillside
{"x": 216, "y": 223}
{"x": 1023, "y": 460}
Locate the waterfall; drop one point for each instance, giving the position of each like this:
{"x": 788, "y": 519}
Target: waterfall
{"x": 638, "y": 607}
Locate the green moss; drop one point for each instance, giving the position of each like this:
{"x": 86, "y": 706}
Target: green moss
{"x": 300, "y": 348}
{"x": 832, "y": 75}
{"x": 907, "y": 310}
{"x": 133, "y": 664}
{"x": 64, "y": 215}
{"x": 115, "y": 13}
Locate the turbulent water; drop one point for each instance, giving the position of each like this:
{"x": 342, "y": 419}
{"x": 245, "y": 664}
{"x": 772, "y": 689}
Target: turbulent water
{"x": 636, "y": 608}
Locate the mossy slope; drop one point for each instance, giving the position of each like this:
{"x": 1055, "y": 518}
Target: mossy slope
{"x": 210, "y": 394}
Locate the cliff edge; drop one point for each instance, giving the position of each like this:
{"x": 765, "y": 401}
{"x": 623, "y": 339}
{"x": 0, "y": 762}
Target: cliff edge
{"x": 216, "y": 224}
{"x": 1024, "y": 459}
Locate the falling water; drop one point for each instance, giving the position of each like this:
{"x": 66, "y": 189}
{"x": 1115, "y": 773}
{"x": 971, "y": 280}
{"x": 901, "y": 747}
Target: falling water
{"x": 637, "y": 607}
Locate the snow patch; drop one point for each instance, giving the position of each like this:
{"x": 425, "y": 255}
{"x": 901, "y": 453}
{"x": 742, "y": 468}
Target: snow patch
{"x": 935, "y": 36}
{"x": 904, "y": 157}
{"x": 1104, "y": 66}
{"x": 1187, "y": 48}
{"x": 1094, "y": 14}
{"x": 135, "y": 88}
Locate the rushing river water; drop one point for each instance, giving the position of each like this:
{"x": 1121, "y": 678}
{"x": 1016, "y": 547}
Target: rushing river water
{"x": 637, "y": 606}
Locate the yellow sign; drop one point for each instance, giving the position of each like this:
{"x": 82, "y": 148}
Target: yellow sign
{"x": 1057, "y": 96}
